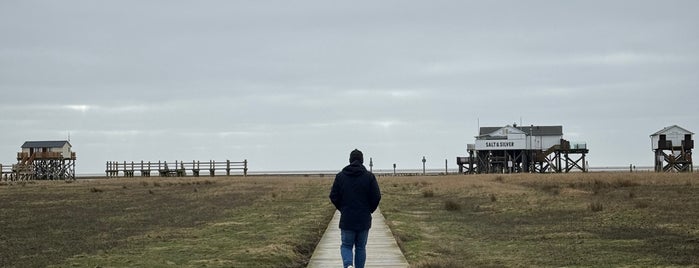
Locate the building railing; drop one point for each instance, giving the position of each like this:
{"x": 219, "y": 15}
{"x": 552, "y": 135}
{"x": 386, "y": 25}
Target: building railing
{"x": 578, "y": 145}
{"x": 45, "y": 155}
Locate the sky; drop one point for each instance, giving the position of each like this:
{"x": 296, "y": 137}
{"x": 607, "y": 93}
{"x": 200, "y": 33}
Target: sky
{"x": 297, "y": 85}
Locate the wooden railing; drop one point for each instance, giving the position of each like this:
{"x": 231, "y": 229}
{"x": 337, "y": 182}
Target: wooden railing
{"x": 173, "y": 169}
{"x": 5, "y": 171}
{"x": 16, "y": 172}
{"x": 45, "y": 155}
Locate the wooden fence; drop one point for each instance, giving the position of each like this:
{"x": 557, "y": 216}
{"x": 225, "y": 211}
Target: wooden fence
{"x": 176, "y": 169}
{"x": 5, "y": 172}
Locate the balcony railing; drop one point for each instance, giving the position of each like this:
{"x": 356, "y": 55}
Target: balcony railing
{"x": 45, "y": 155}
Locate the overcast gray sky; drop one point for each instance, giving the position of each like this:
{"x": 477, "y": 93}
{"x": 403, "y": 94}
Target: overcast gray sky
{"x": 296, "y": 85}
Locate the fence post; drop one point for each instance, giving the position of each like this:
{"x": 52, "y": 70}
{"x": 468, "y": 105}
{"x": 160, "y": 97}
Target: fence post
{"x": 245, "y": 168}
{"x": 212, "y": 168}
{"x": 228, "y": 167}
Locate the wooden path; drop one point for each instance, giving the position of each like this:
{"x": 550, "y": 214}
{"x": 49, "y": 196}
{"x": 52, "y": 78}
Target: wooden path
{"x": 179, "y": 169}
{"x": 382, "y": 250}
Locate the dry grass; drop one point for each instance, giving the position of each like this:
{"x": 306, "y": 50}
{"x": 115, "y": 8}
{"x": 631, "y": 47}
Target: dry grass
{"x": 534, "y": 220}
{"x": 158, "y": 222}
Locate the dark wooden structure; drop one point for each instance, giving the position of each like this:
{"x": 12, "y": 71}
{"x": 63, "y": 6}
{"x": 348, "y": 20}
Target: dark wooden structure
{"x": 5, "y": 172}
{"x": 553, "y": 159}
{"x": 468, "y": 164}
{"x": 173, "y": 169}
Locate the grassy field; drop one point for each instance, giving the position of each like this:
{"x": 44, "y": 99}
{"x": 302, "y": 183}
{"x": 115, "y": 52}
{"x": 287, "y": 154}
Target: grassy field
{"x": 549, "y": 220}
{"x": 157, "y": 222}
{"x": 525, "y": 220}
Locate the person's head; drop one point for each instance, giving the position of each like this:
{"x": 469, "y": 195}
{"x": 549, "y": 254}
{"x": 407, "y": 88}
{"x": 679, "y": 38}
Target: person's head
{"x": 356, "y": 155}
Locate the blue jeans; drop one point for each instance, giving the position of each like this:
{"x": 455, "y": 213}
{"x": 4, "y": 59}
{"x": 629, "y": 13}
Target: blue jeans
{"x": 356, "y": 239}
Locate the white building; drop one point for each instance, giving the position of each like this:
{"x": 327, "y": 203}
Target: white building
{"x": 522, "y": 149}
{"x": 673, "y": 149}
{"x": 516, "y": 137}
{"x": 50, "y": 149}
{"x": 673, "y": 136}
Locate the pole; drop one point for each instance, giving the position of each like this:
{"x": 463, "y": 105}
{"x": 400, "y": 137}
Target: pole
{"x": 245, "y": 168}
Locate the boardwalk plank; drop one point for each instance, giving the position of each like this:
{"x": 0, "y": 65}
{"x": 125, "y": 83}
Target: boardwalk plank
{"x": 382, "y": 249}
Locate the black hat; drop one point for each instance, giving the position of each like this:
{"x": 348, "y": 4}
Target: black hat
{"x": 356, "y": 155}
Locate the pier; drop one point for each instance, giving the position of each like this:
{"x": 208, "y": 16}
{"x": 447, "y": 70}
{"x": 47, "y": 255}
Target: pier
{"x": 174, "y": 168}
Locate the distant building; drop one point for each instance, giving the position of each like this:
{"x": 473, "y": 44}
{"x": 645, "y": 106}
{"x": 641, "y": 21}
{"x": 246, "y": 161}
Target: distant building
{"x": 48, "y": 149}
{"x": 518, "y": 138}
{"x": 522, "y": 149}
{"x": 45, "y": 160}
{"x": 672, "y": 147}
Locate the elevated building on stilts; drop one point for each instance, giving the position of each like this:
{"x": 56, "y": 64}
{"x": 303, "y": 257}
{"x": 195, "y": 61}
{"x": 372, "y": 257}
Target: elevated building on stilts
{"x": 512, "y": 149}
{"x": 45, "y": 160}
{"x": 672, "y": 147}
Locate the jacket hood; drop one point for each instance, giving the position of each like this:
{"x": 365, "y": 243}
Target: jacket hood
{"x": 354, "y": 169}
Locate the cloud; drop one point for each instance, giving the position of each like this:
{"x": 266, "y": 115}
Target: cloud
{"x": 402, "y": 78}
{"x": 79, "y": 108}
{"x": 626, "y": 58}
{"x": 384, "y": 93}
{"x": 116, "y": 133}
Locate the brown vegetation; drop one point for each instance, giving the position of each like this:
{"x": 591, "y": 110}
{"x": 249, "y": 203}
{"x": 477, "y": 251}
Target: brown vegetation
{"x": 268, "y": 222}
{"x": 534, "y": 220}
{"x": 592, "y": 219}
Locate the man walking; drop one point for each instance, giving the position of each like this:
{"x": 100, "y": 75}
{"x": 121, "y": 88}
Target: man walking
{"x": 355, "y": 193}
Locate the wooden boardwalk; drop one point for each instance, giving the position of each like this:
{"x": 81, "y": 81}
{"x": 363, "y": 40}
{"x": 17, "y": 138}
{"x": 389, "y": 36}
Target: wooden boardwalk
{"x": 382, "y": 250}
{"x": 178, "y": 169}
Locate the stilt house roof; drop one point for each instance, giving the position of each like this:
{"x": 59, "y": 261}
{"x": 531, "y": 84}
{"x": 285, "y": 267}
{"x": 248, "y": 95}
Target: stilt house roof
{"x": 533, "y": 130}
{"x": 45, "y": 144}
{"x": 667, "y": 129}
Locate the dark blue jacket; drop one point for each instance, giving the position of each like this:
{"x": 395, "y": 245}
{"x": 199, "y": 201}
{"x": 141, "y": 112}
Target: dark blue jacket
{"x": 356, "y": 195}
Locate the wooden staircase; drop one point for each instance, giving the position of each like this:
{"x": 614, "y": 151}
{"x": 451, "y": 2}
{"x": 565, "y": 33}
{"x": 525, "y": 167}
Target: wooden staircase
{"x": 24, "y": 169}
